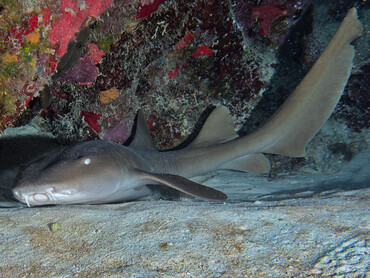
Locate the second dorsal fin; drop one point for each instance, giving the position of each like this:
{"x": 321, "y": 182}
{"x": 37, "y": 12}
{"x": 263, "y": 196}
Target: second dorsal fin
{"x": 142, "y": 138}
{"x": 218, "y": 128}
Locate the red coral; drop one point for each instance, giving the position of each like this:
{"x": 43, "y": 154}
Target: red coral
{"x": 266, "y": 15}
{"x": 148, "y": 9}
{"x": 150, "y": 122}
{"x": 92, "y": 119}
{"x": 32, "y": 23}
{"x": 187, "y": 38}
{"x": 28, "y": 100}
{"x": 52, "y": 60}
{"x": 71, "y": 20}
{"x": 173, "y": 72}
{"x": 95, "y": 53}
{"x": 18, "y": 32}
{"x": 96, "y": 8}
{"x": 46, "y": 12}
{"x": 203, "y": 50}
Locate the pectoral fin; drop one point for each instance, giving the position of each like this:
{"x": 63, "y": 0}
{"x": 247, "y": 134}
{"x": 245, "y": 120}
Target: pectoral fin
{"x": 184, "y": 185}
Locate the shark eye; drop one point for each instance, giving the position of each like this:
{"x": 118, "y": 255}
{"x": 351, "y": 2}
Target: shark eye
{"x": 84, "y": 160}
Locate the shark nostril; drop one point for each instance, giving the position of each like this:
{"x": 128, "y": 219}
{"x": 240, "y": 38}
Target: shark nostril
{"x": 40, "y": 197}
{"x": 18, "y": 195}
{"x": 51, "y": 190}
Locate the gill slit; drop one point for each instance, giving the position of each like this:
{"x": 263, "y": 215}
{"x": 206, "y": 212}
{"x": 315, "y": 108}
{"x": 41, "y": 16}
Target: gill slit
{"x": 51, "y": 197}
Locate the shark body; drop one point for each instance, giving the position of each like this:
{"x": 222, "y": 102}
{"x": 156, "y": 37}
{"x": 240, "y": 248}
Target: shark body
{"x": 102, "y": 171}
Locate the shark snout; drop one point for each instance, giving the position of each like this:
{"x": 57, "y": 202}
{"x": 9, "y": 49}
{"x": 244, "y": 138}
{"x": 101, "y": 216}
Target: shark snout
{"x": 18, "y": 195}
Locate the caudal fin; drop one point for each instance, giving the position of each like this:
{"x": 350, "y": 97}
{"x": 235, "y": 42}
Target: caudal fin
{"x": 313, "y": 101}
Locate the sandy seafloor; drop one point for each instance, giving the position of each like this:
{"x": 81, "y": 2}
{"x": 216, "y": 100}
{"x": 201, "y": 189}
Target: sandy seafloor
{"x": 302, "y": 225}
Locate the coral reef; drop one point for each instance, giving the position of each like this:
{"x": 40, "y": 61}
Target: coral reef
{"x": 23, "y": 59}
{"x": 73, "y": 14}
{"x": 90, "y": 65}
{"x": 33, "y": 38}
{"x": 267, "y": 19}
{"x": 173, "y": 59}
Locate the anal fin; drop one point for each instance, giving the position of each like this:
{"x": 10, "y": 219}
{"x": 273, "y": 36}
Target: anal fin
{"x": 253, "y": 163}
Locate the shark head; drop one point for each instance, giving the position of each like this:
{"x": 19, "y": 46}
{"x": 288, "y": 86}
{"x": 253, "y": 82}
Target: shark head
{"x": 78, "y": 173}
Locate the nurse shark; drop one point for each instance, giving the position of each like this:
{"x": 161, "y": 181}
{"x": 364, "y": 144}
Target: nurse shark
{"x": 101, "y": 171}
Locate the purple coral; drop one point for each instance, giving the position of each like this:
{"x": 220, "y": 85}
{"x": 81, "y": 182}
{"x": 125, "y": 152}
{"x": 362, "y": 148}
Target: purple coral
{"x": 84, "y": 72}
{"x": 120, "y": 132}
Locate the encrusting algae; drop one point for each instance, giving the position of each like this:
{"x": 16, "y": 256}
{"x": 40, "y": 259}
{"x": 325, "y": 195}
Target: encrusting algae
{"x": 108, "y": 95}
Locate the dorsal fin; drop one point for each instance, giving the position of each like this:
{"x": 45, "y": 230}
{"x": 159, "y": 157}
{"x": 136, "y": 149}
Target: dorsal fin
{"x": 142, "y": 139}
{"x": 218, "y": 128}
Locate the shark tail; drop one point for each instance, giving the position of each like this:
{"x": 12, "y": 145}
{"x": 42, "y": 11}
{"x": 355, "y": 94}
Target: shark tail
{"x": 313, "y": 101}
{"x": 294, "y": 124}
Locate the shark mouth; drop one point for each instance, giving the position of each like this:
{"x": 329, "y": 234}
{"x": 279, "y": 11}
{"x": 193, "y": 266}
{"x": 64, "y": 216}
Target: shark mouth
{"x": 49, "y": 197}
{"x": 33, "y": 198}
{"x": 37, "y": 198}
